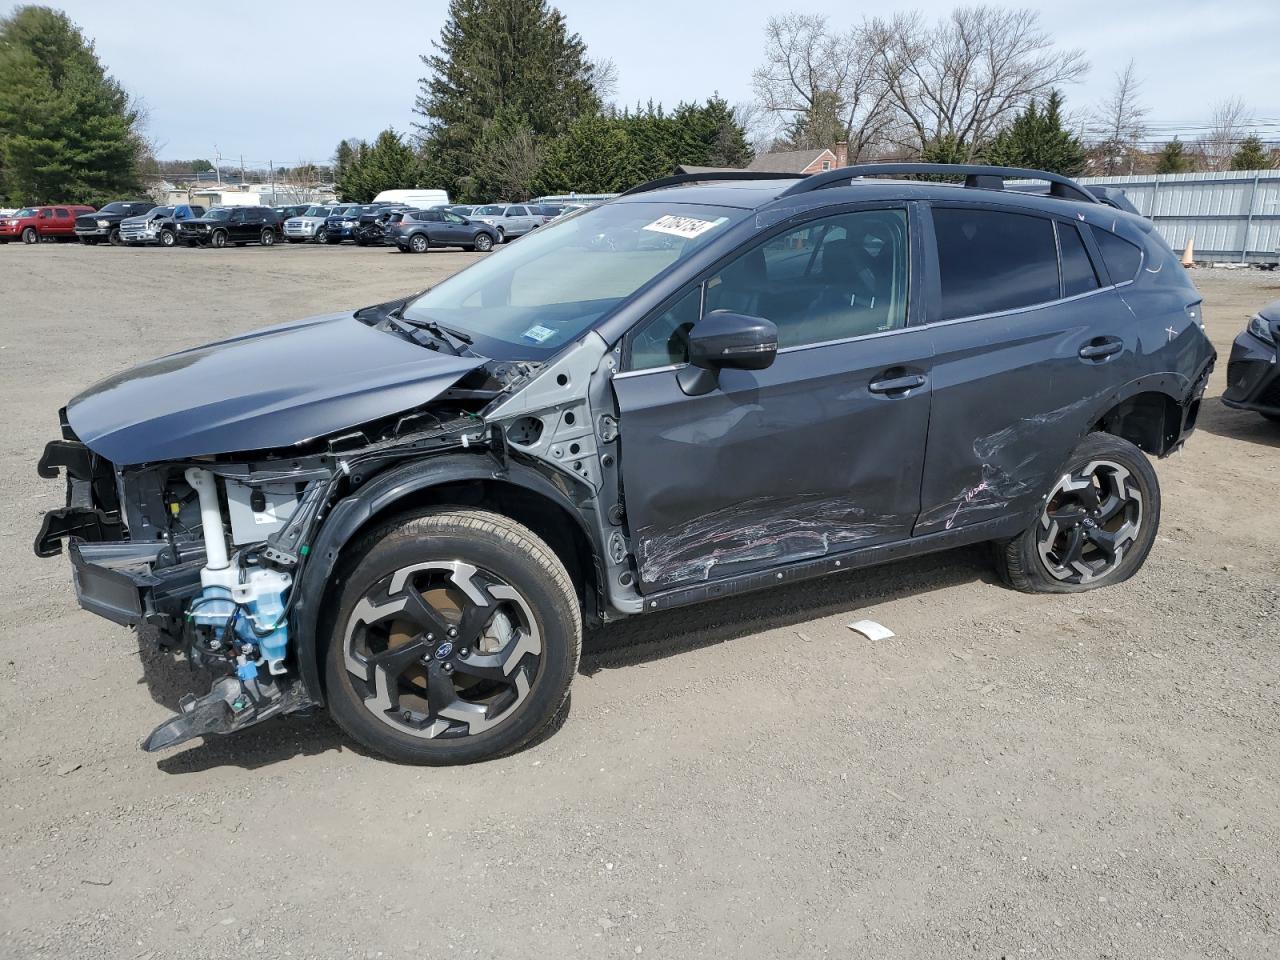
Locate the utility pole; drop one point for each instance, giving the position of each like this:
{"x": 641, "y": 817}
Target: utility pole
{"x": 271, "y": 165}
{"x": 242, "y": 170}
{"x": 217, "y": 163}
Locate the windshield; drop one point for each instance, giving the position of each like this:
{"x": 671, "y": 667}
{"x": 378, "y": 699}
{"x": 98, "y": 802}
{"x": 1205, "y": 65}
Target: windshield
{"x": 563, "y": 278}
{"x": 220, "y": 214}
{"x": 489, "y": 211}
{"x": 316, "y": 212}
{"x": 116, "y": 207}
{"x": 159, "y": 211}
{"x": 24, "y": 212}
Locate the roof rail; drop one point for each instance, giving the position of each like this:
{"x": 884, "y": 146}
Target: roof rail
{"x": 710, "y": 176}
{"x": 976, "y": 177}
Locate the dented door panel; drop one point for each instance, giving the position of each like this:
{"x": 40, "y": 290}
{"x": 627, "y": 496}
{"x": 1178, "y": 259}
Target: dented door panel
{"x": 796, "y": 461}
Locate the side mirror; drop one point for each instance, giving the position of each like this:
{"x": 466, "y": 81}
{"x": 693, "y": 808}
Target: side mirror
{"x": 723, "y": 340}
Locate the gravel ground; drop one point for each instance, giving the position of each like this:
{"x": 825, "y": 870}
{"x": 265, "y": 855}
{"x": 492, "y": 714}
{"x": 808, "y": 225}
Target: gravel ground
{"x": 1012, "y": 775}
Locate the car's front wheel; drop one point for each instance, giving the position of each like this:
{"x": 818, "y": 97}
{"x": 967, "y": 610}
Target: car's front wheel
{"x": 484, "y": 242}
{"x": 456, "y": 636}
{"x": 1095, "y": 526}
{"x": 167, "y": 239}
{"x": 29, "y": 235}
{"x": 219, "y": 238}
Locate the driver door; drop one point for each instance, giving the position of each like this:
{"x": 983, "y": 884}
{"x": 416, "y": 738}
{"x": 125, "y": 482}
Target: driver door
{"x": 818, "y": 454}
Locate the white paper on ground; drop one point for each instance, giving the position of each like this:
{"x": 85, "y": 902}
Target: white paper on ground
{"x": 871, "y": 630}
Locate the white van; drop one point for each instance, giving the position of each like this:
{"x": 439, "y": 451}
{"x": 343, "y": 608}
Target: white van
{"x": 423, "y": 199}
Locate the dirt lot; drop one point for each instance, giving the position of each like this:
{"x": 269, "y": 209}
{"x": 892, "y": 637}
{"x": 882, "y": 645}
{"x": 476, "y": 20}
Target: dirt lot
{"x": 1091, "y": 776}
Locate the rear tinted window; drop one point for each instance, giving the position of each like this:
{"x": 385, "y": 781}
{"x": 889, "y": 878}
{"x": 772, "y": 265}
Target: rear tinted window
{"x": 991, "y": 261}
{"x": 1121, "y": 257}
{"x": 1077, "y": 269}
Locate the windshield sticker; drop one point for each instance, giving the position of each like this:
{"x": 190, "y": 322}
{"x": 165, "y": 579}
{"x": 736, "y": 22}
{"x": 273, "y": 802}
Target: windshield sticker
{"x": 538, "y": 333}
{"x": 686, "y": 227}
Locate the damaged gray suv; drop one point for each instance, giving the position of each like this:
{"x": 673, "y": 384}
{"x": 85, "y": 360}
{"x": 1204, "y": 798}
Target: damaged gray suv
{"x": 713, "y": 384}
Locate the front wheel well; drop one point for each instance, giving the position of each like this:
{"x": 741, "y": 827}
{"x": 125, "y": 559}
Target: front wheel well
{"x": 1151, "y": 421}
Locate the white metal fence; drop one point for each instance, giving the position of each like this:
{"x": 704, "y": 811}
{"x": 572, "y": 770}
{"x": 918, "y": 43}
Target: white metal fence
{"x": 1231, "y": 215}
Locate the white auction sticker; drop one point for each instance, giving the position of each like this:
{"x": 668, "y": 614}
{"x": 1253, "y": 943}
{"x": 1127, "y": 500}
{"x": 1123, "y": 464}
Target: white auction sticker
{"x": 686, "y": 227}
{"x": 539, "y": 334}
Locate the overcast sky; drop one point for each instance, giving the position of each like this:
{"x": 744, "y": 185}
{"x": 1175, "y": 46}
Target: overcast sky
{"x": 287, "y": 79}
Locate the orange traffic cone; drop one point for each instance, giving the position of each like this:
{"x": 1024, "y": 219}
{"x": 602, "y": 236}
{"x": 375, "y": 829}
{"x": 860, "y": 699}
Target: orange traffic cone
{"x": 1189, "y": 255}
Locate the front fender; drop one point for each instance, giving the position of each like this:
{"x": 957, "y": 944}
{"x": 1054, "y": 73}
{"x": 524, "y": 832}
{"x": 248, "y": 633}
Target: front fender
{"x": 377, "y": 496}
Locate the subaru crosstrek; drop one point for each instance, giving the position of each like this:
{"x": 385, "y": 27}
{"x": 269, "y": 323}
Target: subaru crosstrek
{"x": 709, "y": 385}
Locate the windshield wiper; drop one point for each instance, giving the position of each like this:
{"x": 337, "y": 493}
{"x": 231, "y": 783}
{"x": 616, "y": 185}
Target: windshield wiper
{"x": 438, "y": 329}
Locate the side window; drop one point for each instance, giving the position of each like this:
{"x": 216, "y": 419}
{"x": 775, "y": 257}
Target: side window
{"x": 517, "y": 212}
{"x": 830, "y": 279}
{"x": 1078, "y": 275}
{"x": 664, "y": 340}
{"x": 989, "y": 261}
{"x": 61, "y": 212}
{"x": 453, "y": 218}
{"x": 1121, "y": 257}
{"x": 433, "y": 216}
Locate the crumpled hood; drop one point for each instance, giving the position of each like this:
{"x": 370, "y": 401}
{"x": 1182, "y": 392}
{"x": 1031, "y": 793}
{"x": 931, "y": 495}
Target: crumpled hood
{"x": 271, "y": 388}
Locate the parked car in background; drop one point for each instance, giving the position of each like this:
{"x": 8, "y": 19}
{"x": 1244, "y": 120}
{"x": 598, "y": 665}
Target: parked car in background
{"x": 1253, "y": 372}
{"x": 309, "y": 225}
{"x": 33, "y": 224}
{"x": 419, "y": 230}
{"x": 291, "y": 210}
{"x": 462, "y": 210}
{"x": 104, "y": 224}
{"x": 341, "y": 223}
{"x": 159, "y": 224}
{"x": 510, "y": 221}
{"x": 373, "y": 227}
{"x": 224, "y": 226}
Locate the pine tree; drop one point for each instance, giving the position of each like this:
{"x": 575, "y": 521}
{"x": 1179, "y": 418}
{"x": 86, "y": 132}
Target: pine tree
{"x": 1173, "y": 158}
{"x": 500, "y": 58}
{"x": 1037, "y": 139}
{"x": 68, "y": 132}
{"x": 1251, "y": 155}
{"x": 596, "y": 155}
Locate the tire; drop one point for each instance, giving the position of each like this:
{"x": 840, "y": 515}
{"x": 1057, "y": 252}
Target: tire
{"x": 1110, "y": 494}
{"x": 29, "y": 235}
{"x": 114, "y": 237}
{"x": 483, "y": 244}
{"x": 167, "y": 239}
{"x": 502, "y": 236}
{"x": 419, "y": 243}
{"x": 450, "y": 558}
{"x": 322, "y": 236}
{"x": 267, "y": 238}
{"x": 219, "y": 239}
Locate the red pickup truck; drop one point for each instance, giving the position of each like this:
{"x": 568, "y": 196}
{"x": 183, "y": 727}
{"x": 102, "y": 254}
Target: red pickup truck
{"x": 33, "y": 224}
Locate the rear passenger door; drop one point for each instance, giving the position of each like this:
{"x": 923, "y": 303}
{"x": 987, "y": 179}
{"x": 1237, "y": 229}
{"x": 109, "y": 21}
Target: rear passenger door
{"x": 63, "y": 223}
{"x": 1029, "y": 338}
{"x": 816, "y": 455}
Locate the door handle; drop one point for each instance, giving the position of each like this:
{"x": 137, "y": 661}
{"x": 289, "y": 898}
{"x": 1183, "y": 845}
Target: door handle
{"x": 1099, "y": 348}
{"x": 897, "y": 384}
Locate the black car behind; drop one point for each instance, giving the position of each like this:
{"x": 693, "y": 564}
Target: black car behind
{"x": 1253, "y": 372}
{"x": 226, "y": 226}
{"x": 105, "y": 223}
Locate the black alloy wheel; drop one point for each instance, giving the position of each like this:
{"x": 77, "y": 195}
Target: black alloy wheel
{"x": 114, "y": 237}
{"x": 455, "y": 639}
{"x": 1094, "y": 528}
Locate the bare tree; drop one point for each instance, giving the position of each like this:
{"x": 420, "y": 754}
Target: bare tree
{"x": 1226, "y": 130}
{"x": 604, "y": 77}
{"x": 822, "y": 84}
{"x": 512, "y": 163}
{"x": 1120, "y": 122}
{"x": 963, "y": 78}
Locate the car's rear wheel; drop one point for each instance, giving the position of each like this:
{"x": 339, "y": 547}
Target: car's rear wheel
{"x": 456, "y": 637}
{"x": 167, "y": 239}
{"x": 29, "y": 235}
{"x": 484, "y": 242}
{"x": 1095, "y": 526}
{"x": 418, "y": 243}
{"x": 267, "y": 238}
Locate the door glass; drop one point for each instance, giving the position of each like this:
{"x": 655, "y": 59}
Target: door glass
{"x": 664, "y": 340}
{"x": 1077, "y": 269}
{"x": 61, "y": 212}
{"x": 830, "y": 279}
{"x": 989, "y": 261}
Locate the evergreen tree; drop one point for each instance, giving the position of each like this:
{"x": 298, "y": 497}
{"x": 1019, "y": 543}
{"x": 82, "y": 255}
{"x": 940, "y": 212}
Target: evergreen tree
{"x": 364, "y": 170}
{"x": 1038, "y": 139}
{"x": 820, "y": 126}
{"x": 67, "y": 129}
{"x": 945, "y": 149}
{"x": 596, "y": 155}
{"x": 1251, "y": 155}
{"x": 500, "y": 58}
{"x": 1173, "y": 158}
